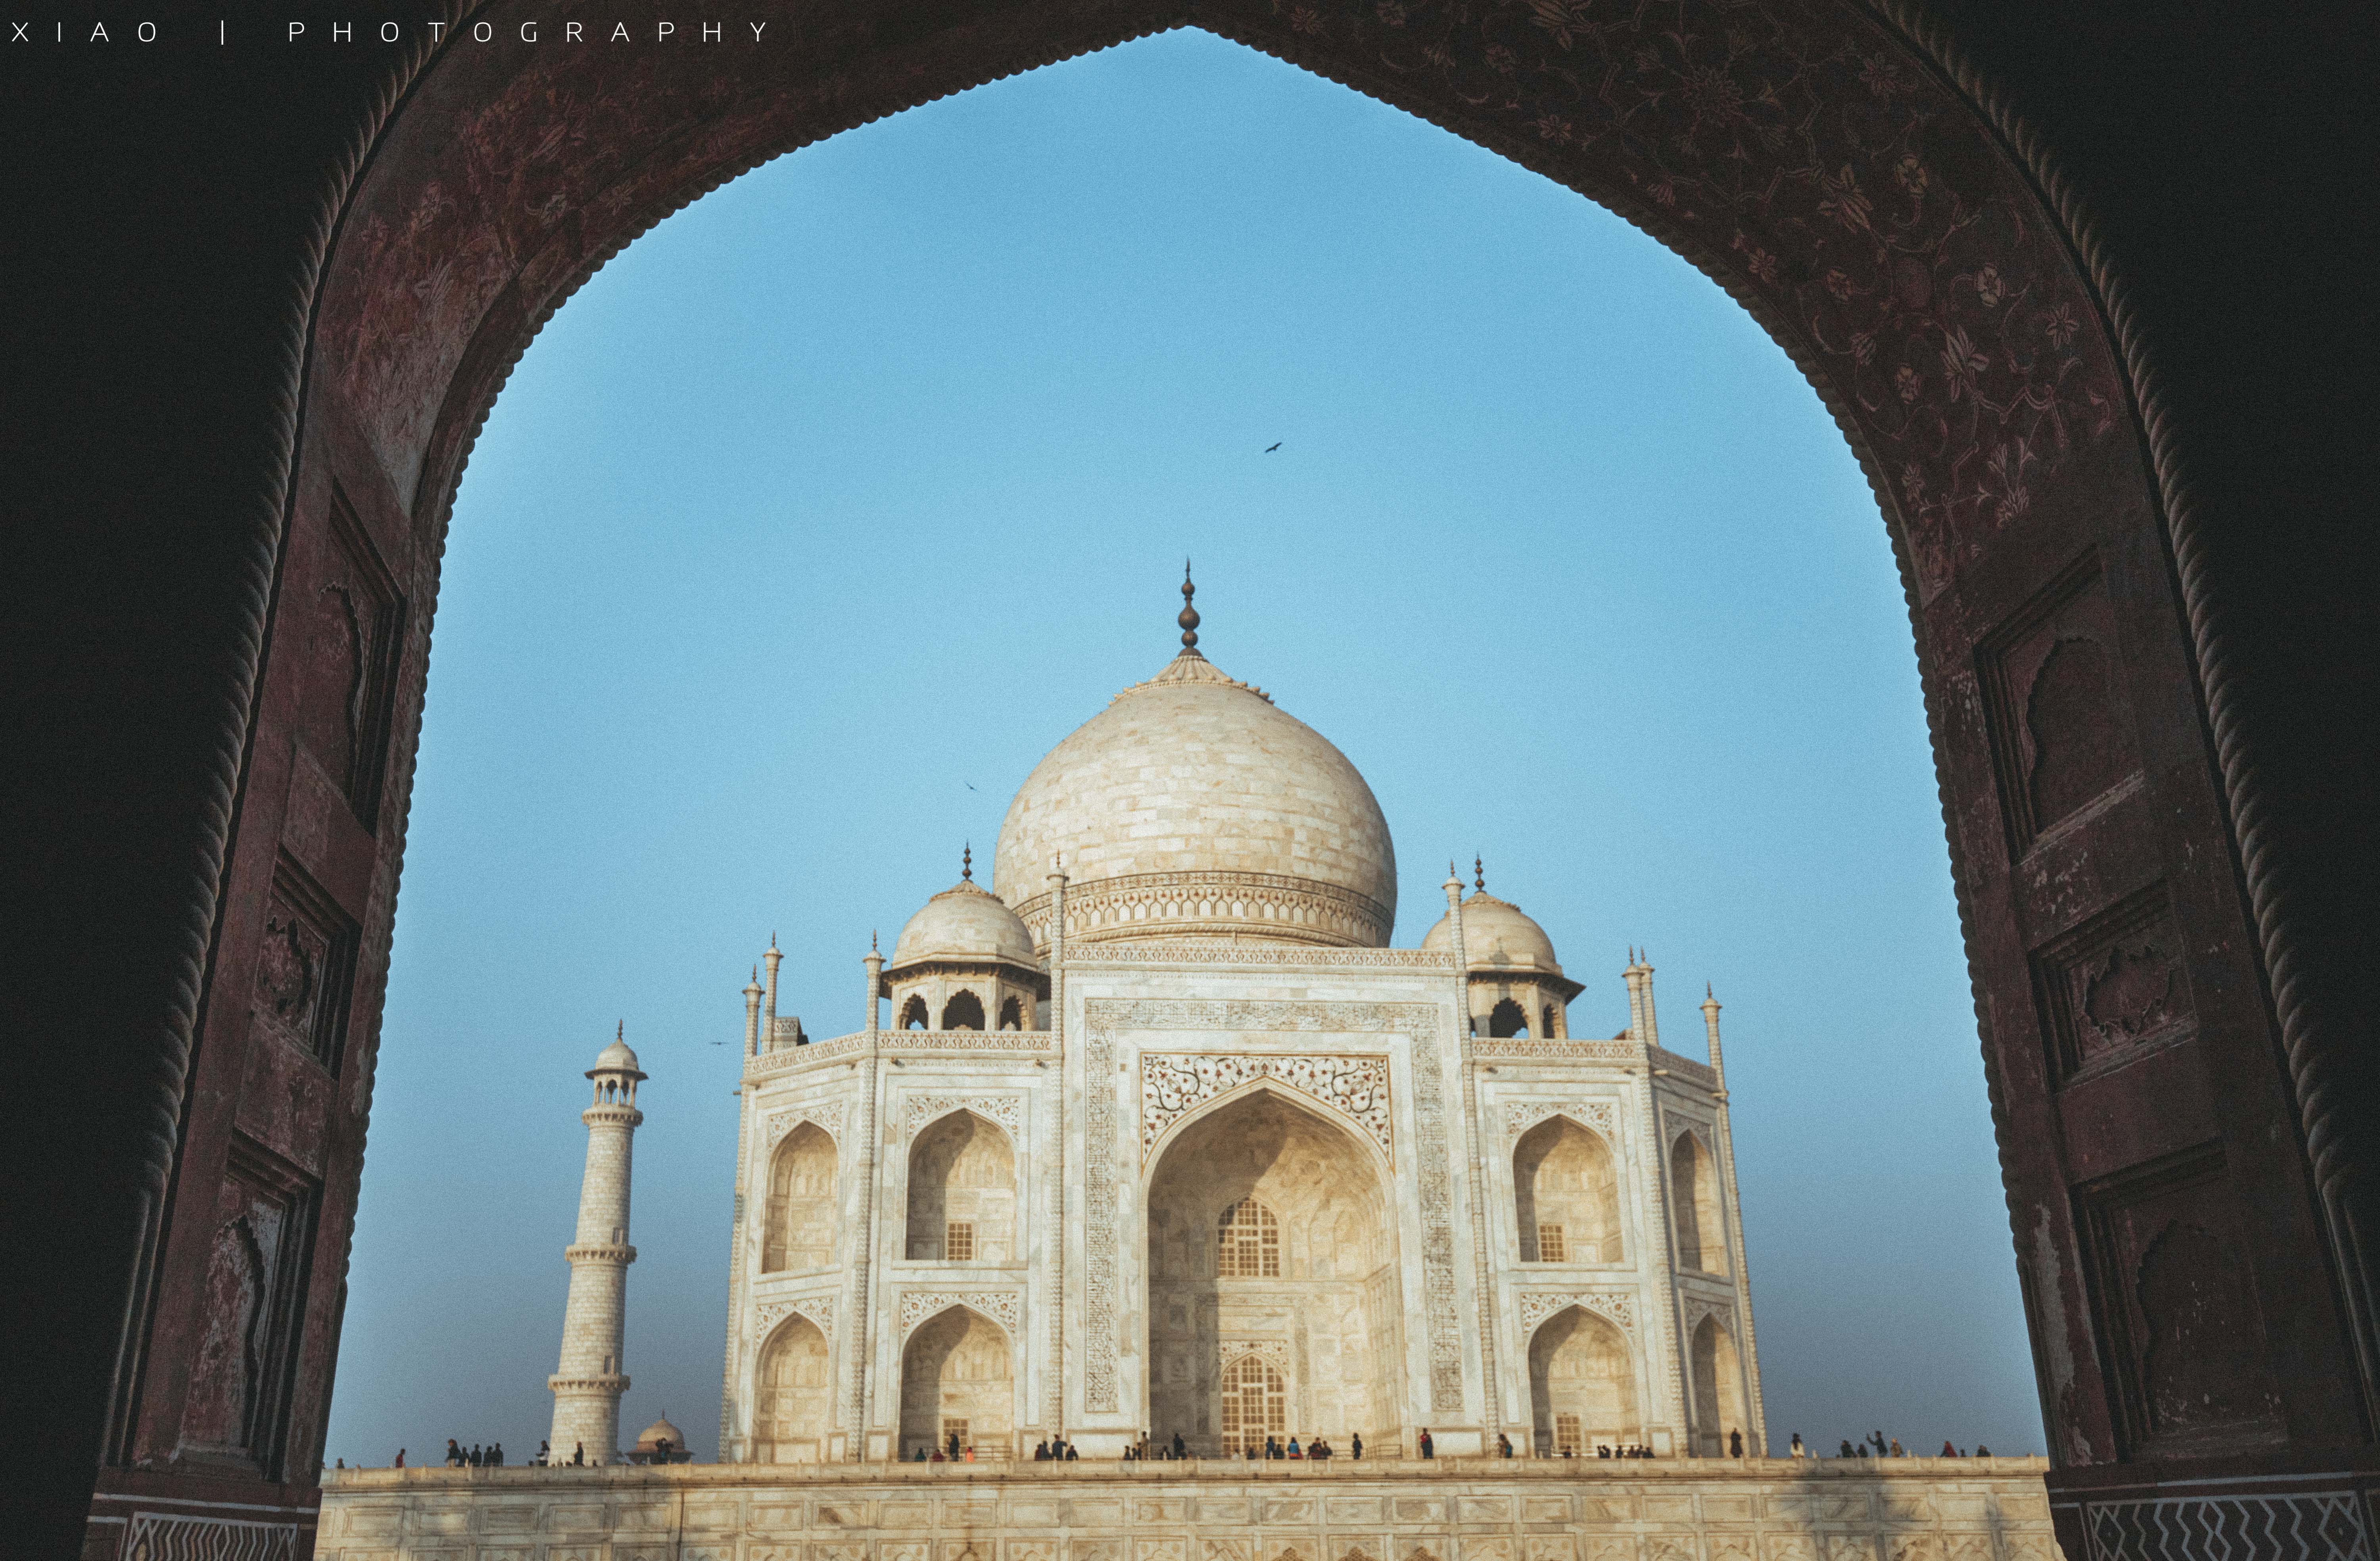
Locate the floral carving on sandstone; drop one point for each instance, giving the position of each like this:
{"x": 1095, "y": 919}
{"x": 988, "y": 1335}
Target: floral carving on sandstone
{"x": 1844, "y": 193}
{"x": 1173, "y": 1083}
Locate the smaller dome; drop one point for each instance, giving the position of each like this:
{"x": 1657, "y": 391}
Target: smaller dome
{"x": 616, "y": 1057}
{"x": 965, "y": 923}
{"x": 1495, "y": 932}
{"x": 650, "y": 1437}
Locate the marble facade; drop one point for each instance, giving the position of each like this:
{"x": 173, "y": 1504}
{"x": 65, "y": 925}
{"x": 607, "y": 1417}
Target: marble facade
{"x": 1162, "y": 1138}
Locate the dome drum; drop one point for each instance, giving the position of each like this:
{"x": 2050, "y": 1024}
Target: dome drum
{"x": 1274, "y": 908}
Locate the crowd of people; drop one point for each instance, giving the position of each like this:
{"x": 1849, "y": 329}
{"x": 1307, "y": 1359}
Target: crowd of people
{"x": 1876, "y": 1445}
{"x": 491, "y": 1456}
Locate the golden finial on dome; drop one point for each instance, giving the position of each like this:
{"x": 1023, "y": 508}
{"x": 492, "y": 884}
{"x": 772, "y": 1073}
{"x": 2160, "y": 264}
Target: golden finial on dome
{"x": 966, "y": 863}
{"x": 1479, "y": 880}
{"x": 1189, "y": 619}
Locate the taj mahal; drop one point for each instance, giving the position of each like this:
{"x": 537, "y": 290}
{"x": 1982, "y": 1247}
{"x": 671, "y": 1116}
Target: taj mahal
{"x": 1157, "y": 1136}
{"x": 1164, "y": 1138}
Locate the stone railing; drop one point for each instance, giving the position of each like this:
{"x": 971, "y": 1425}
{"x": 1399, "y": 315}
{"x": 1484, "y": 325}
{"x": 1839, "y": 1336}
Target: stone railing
{"x": 1685, "y": 1067}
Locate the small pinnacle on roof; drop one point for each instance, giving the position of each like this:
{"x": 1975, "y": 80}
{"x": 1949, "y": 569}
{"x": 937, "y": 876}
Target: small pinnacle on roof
{"x": 966, "y": 863}
{"x": 621, "y": 1032}
{"x": 871, "y": 940}
{"x": 1189, "y": 619}
{"x": 1479, "y": 881}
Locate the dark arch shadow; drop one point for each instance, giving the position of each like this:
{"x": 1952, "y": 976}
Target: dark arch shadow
{"x": 381, "y": 378}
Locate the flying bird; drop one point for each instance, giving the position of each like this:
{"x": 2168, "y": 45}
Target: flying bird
{"x": 970, "y": 786}
{"x": 1271, "y": 447}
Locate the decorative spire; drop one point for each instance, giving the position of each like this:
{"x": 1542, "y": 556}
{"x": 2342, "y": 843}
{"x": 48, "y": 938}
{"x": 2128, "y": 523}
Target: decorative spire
{"x": 772, "y": 939}
{"x": 621, "y": 1033}
{"x": 1479, "y": 879}
{"x": 1189, "y": 619}
{"x": 871, "y": 940}
{"x": 966, "y": 863}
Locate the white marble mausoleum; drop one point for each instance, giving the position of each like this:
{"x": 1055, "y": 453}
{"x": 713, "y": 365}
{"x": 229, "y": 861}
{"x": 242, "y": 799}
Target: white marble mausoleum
{"x": 1157, "y": 1133}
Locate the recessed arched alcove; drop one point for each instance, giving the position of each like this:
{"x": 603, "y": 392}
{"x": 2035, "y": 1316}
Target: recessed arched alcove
{"x": 1696, "y": 1207}
{"x": 1272, "y": 1249}
{"x": 799, "y": 1232}
{"x": 1583, "y": 1385}
{"x": 1718, "y": 1405}
{"x": 958, "y": 1387}
{"x": 1566, "y": 1189}
{"x": 792, "y": 1399}
{"x": 963, "y": 1192}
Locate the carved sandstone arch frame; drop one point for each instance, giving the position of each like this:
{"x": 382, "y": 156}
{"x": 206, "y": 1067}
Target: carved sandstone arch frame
{"x": 1839, "y": 174}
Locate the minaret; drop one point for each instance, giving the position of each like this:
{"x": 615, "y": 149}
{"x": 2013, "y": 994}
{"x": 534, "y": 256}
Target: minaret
{"x": 1757, "y": 1437}
{"x": 855, "y": 1405}
{"x": 752, "y": 1046}
{"x": 588, "y": 1384}
{"x": 769, "y": 1031}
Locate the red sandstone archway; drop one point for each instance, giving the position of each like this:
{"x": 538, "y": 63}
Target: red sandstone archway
{"x": 1809, "y": 157}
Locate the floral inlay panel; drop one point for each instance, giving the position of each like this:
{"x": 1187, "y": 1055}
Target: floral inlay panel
{"x": 916, "y": 1306}
{"x": 1619, "y": 1306}
{"x": 1174, "y": 1083}
{"x": 824, "y": 1115}
{"x": 1596, "y": 1115}
{"x": 1006, "y": 1110}
{"x": 818, "y": 1308}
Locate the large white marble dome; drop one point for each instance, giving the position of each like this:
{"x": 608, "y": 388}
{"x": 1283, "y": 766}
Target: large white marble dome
{"x": 1193, "y": 807}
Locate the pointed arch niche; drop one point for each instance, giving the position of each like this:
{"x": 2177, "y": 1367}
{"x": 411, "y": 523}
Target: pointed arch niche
{"x": 1271, "y": 1239}
{"x": 961, "y": 1194}
{"x": 1718, "y": 1391}
{"x": 800, "y": 1225}
{"x": 958, "y": 1375}
{"x": 793, "y": 1395}
{"x": 1566, "y": 1194}
{"x": 1582, "y": 1386}
{"x": 1695, "y": 1206}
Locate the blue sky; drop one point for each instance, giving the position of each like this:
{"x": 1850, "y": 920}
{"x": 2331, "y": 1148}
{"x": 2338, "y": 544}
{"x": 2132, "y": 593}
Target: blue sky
{"x": 833, "y": 503}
